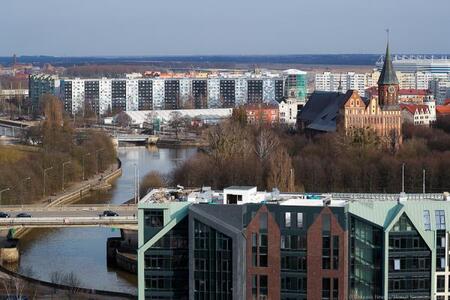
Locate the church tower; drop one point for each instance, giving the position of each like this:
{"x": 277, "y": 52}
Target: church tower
{"x": 388, "y": 83}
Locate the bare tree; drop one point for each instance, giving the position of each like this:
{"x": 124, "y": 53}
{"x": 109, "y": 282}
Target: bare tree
{"x": 265, "y": 143}
{"x": 73, "y": 282}
{"x": 123, "y": 119}
{"x": 176, "y": 122}
{"x": 280, "y": 168}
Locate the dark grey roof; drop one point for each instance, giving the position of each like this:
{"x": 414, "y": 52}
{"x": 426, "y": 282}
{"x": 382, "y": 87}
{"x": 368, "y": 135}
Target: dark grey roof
{"x": 229, "y": 214}
{"x": 240, "y": 187}
{"x": 321, "y": 110}
{"x": 387, "y": 75}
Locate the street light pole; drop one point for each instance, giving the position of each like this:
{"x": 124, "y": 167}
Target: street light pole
{"x": 4, "y": 190}
{"x": 23, "y": 187}
{"x": 64, "y": 163}
{"x": 45, "y": 172}
{"x": 84, "y": 155}
{"x": 96, "y": 156}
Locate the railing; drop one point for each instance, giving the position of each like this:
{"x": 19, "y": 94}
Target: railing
{"x": 387, "y": 197}
{"x": 67, "y": 221}
{"x": 72, "y": 207}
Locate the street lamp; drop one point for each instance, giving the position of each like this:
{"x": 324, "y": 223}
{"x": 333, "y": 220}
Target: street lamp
{"x": 84, "y": 155}
{"x": 63, "y": 164}
{"x": 45, "y": 172}
{"x": 4, "y": 190}
{"x": 96, "y": 156}
{"x": 23, "y": 187}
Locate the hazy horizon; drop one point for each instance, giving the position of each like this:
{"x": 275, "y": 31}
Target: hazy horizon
{"x": 114, "y": 28}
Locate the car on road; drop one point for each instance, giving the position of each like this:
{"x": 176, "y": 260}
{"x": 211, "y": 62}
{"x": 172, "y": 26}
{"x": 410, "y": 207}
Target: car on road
{"x": 4, "y": 215}
{"x": 23, "y": 215}
{"x": 109, "y": 213}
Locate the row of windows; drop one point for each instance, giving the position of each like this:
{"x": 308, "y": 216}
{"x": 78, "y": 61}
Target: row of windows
{"x": 410, "y": 264}
{"x": 293, "y": 242}
{"x": 293, "y": 219}
{"x": 439, "y": 216}
{"x": 329, "y": 291}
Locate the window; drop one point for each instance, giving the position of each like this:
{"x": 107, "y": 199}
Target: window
{"x": 254, "y": 240}
{"x": 326, "y": 252}
{"x": 335, "y": 288}
{"x": 441, "y": 284}
{"x": 287, "y": 219}
{"x": 440, "y": 219}
{"x": 263, "y": 221}
{"x": 396, "y": 264}
{"x": 154, "y": 218}
{"x": 326, "y": 223}
{"x": 335, "y": 252}
{"x": 254, "y": 286}
{"x": 263, "y": 289}
{"x": 426, "y": 220}
{"x": 299, "y": 220}
{"x": 442, "y": 261}
{"x": 326, "y": 288}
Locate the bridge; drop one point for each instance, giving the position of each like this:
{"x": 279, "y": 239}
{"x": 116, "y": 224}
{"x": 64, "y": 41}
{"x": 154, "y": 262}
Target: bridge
{"x": 83, "y": 215}
{"x": 11, "y": 128}
{"x": 136, "y": 138}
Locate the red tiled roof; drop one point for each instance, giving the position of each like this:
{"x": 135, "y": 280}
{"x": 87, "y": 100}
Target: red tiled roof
{"x": 412, "y": 92}
{"x": 443, "y": 109}
{"x": 412, "y": 108}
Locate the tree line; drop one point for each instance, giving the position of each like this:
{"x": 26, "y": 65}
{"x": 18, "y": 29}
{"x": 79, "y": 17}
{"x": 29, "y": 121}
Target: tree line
{"x": 63, "y": 155}
{"x": 268, "y": 157}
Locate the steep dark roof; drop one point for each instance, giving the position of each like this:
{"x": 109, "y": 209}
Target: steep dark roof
{"x": 387, "y": 75}
{"x": 321, "y": 110}
{"x": 229, "y": 214}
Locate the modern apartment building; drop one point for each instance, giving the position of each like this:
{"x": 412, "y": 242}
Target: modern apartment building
{"x": 333, "y": 82}
{"x": 135, "y": 92}
{"x": 41, "y": 84}
{"x": 242, "y": 244}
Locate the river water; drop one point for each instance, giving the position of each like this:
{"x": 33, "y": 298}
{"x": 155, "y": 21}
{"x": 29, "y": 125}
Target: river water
{"x": 83, "y": 250}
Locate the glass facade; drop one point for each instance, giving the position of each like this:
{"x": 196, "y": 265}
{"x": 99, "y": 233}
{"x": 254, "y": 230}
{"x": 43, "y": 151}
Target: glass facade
{"x": 409, "y": 262}
{"x": 167, "y": 264}
{"x": 212, "y": 263}
{"x": 366, "y": 252}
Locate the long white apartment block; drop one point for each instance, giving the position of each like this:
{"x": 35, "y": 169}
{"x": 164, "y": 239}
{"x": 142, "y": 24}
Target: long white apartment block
{"x": 214, "y": 90}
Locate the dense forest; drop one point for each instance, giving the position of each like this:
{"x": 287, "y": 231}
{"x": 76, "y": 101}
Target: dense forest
{"x": 51, "y": 144}
{"x": 268, "y": 157}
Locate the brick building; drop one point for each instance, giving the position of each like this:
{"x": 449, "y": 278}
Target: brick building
{"x": 332, "y": 111}
{"x": 242, "y": 244}
{"x": 264, "y": 113}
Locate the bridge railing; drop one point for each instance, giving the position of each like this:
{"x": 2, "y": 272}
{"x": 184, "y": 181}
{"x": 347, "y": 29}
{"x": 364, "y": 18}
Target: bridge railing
{"x": 72, "y": 207}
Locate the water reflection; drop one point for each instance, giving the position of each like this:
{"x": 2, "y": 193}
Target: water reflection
{"x": 83, "y": 250}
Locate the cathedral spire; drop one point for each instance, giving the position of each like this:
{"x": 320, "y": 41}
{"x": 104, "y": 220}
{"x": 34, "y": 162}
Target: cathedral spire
{"x": 387, "y": 75}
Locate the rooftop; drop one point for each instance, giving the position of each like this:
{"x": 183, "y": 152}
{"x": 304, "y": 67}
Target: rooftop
{"x": 207, "y": 196}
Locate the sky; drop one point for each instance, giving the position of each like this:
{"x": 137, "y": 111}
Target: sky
{"x": 227, "y": 27}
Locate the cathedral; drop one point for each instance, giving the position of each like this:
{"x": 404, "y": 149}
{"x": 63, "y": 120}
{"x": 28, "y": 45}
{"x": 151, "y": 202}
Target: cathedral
{"x": 351, "y": 113}
{"x": 381, "y": 114}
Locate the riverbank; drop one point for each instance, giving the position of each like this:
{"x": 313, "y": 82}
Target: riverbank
{"x": 15, "y": 284}
{"x": 165, "y": 142}
{"x": 77, "y": 191}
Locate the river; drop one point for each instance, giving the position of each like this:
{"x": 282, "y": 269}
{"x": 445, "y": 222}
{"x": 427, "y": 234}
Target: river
{"x": 83, "y": 250}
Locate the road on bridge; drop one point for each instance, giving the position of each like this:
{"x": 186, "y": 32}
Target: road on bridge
{"x": 69, "y": 216}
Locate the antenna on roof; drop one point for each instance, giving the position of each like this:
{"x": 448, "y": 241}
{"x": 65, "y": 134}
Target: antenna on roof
{"x": 403, "y": 177}
{"x": 423, "y": 179}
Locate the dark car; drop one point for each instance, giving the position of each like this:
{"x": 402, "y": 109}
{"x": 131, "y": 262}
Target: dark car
{"x": 4, "y": 215}
{"x": 23, "y": 215}
{"x": 109, "y": 213}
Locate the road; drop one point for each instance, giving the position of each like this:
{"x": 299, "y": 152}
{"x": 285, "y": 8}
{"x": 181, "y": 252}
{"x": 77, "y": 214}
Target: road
{"x": 69, "y": 216}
